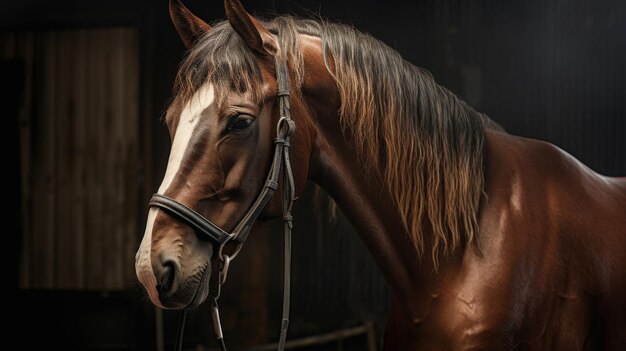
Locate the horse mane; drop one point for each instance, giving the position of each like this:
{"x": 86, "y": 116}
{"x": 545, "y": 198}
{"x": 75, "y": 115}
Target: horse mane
{"x": 427, "y": 143}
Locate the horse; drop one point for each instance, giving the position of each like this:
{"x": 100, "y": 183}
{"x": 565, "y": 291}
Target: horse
{"x": 488, "y": 240}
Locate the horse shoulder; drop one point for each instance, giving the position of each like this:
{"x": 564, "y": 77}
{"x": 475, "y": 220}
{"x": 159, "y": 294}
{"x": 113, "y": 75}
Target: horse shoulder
{"x": 552, "y": 239}
{"x": 528, "y": 283}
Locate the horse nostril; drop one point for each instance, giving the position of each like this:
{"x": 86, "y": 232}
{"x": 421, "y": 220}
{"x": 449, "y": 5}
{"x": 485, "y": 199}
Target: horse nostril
{"x": 167, "y": 278}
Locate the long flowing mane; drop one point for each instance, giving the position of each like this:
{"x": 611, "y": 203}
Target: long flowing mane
{"x": 427, "y": 143}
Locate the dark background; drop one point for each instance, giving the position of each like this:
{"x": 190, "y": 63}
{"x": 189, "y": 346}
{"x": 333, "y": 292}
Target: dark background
{"x": 552, "y": 70}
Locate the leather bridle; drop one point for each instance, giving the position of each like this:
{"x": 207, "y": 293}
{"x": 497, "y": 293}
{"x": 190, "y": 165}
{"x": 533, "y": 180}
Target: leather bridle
{"x": 219, "y": 237}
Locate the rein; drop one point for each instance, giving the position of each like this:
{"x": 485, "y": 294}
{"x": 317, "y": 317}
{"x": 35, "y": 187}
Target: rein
{"x": 284, "y": 130}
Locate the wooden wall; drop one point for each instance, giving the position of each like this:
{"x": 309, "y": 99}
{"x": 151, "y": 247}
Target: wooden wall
{"x": 79, "y": 155}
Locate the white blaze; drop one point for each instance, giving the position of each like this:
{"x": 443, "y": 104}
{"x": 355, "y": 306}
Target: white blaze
{"x": 189, "y": 117}
{"x": 187, "y": 122}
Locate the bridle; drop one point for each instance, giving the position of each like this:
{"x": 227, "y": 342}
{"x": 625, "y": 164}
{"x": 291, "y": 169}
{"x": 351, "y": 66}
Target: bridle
{"x": 219, "y": 237}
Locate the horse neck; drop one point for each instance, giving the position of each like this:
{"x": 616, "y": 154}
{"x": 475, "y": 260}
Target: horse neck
{"x": 366, "y": 202}
{"x": 360, "y": 192}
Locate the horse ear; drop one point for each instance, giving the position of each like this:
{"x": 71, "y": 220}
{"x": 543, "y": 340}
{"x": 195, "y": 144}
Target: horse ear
{"x": 188, "y": 26}
{"x": 254, "y": 34}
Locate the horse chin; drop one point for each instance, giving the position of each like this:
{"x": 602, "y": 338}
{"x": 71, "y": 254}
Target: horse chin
{"x": 202, "y": 291}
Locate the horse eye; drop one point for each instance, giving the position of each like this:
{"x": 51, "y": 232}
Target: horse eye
{"x": 240, "y": 122}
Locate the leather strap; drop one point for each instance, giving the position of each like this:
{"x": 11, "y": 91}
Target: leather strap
{"x": 280, "y": 162}
{"x": 191, "y": 217}
{"x": 288, "y": 195}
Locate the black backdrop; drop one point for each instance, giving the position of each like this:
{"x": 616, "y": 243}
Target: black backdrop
{"x": 552, "y": 70}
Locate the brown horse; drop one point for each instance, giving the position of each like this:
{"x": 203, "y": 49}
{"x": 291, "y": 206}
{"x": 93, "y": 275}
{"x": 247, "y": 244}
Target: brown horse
{"x": 488, "y": 240}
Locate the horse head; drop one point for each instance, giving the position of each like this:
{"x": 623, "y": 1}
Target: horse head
{"x": 222, "y": 123}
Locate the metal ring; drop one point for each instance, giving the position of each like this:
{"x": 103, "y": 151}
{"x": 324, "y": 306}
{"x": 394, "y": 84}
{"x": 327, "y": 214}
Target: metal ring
{"x": 223, "y": 271}
{"x": 220, "y": 254}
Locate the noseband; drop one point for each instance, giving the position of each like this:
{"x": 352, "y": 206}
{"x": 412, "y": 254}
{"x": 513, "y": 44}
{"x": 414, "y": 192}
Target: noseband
{"x": 219, "y": 237}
